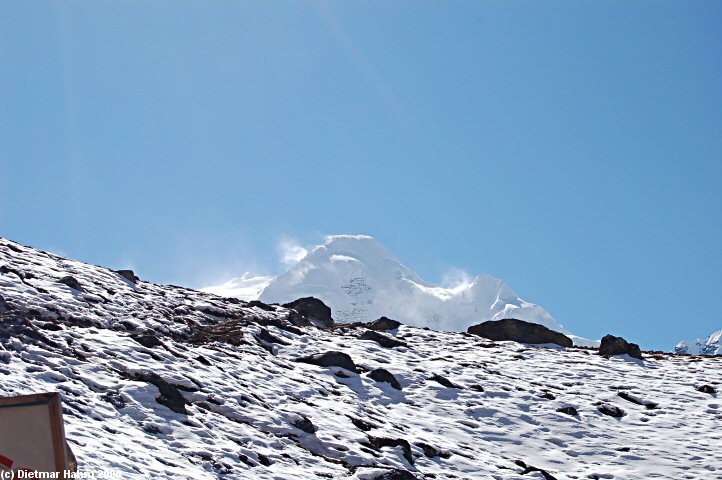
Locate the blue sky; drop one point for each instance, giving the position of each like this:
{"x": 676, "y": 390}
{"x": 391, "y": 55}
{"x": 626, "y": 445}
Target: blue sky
{"x": 571, "y": 148}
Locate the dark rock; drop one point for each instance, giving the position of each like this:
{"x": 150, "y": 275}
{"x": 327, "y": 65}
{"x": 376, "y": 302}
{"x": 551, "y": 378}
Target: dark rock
{"x": 116, "y": 399}
{"x": 298, "y": 320}
{"x": 148, "y": 341}
{"x": 261, "y": 305}
{"x": 397, "y": 474}
{"x": 267, "y": 336}
{"x": 263, "y": 460}
{"x": 568, "y": 410}
{"x": 4, "y": 307}
{"x": 304, "y": 424}
{"x": 362, "y": 424}
{"x": 529, "y": 469}
{"x": 612, "y": 345}
{"x": 383, "y": 324}
{"x": 128, "y": 275}
{"x": 444, "y": 381}
{"x": 707, "y": 389}
{"x": 72, "y": 282}
{"x": 519, "y": 331}
{"x": 203, "y": 360}
{"x": 631, "y": 398}
{"x": 381, "y": 339}
{"x": 547, "y": 395}
{"x": 265, "y": 345}
{"x": 380, "y": 442}
{"x": 383, "y": 375}
{"x": 312, "y": 309}
{"x": 432, "y": 452}
{"x": 284, "y": 325}
{"x": 170, "y": 396}
{"x": 611, "y": 410}
{"x": 53, "y": 327}
{"x": 18, "y": 325}
{"x": 476, "y": 388}
{"x": 330, "y": 359}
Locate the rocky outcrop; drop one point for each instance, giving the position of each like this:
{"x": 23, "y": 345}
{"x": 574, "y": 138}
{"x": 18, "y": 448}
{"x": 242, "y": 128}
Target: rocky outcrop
{"x": 330, "y": 359}
{"x": 612, "y": 345}
{"x": 519, "y": 331}
{"x": 380, "y": 442}
{"x": 267, "y": 336}
{"x": 397, "y": 474}
{"x": 530, "y": 469}
{"x": 71, "y": 282}
{"x": 383, "y": 375}
{"x": 381, "y": 339}
{"x": 128, "y": 275}
{"x": 312, "y": 309}
{"x": 568, "y": 410}
{"x": 707, "y": 389}
{"x": 636, "y": 400}
{"x": 169, "y": 396}
{"x": 430, "y": 451}
{"x": 383, "y": 324}
{"x": 611, "y": 410}
{"x": 444, "y": 381}
{"x": 304, "y": 424}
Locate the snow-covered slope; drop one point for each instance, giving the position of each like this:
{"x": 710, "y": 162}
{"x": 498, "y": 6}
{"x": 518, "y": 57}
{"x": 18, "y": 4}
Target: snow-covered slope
{"x": 711, "y": 346}
{"x": 248, "y": 287}
{"x": 166, "y": 382}
{"x": 361, "y": 280}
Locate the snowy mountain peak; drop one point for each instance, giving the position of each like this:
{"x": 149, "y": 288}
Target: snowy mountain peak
{"x": 361, "y": 280}
{"x": 711, "y": 346}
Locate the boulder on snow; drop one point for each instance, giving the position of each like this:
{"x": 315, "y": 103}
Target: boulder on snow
{"x": 267, "y": 336}
{"x": 312, "y": 309}
{"x": 383, "y": 324}
{"x": 330, "y": 359}
{"x": 304, "y": 424}
{"x": 396, "y": 474}
{"x": 148, "y": 341}
{"x": 707, "y": 389}
{"x": 612, "y": 345}
{"x": 128, "y": 275}
{"x": 611, "y": 410}
{"x": 380, "y": 442}
{"x": 381, "y": 339}
{"x": 519, "y": 331}
{"x": 431, "y": 451}
{"x": 170, "y": 395}
{"x": 444, "y": 381}
{"x": 383, "y": 375}
{"x": 71, "y": 282}
{"x": 568, "y": 410}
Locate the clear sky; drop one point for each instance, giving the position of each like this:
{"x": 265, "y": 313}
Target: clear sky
{"x": 572, "y": 148}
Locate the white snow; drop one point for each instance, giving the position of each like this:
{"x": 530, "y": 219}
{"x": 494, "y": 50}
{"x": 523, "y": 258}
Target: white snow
{"x": 361, "y": 280}
{"x": 248, "y": 287}
{"x": 242, "y": 400}
{"x": 710, "y": 346}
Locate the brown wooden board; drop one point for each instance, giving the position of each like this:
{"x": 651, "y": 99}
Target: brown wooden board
{"x": 31, "y": 433}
